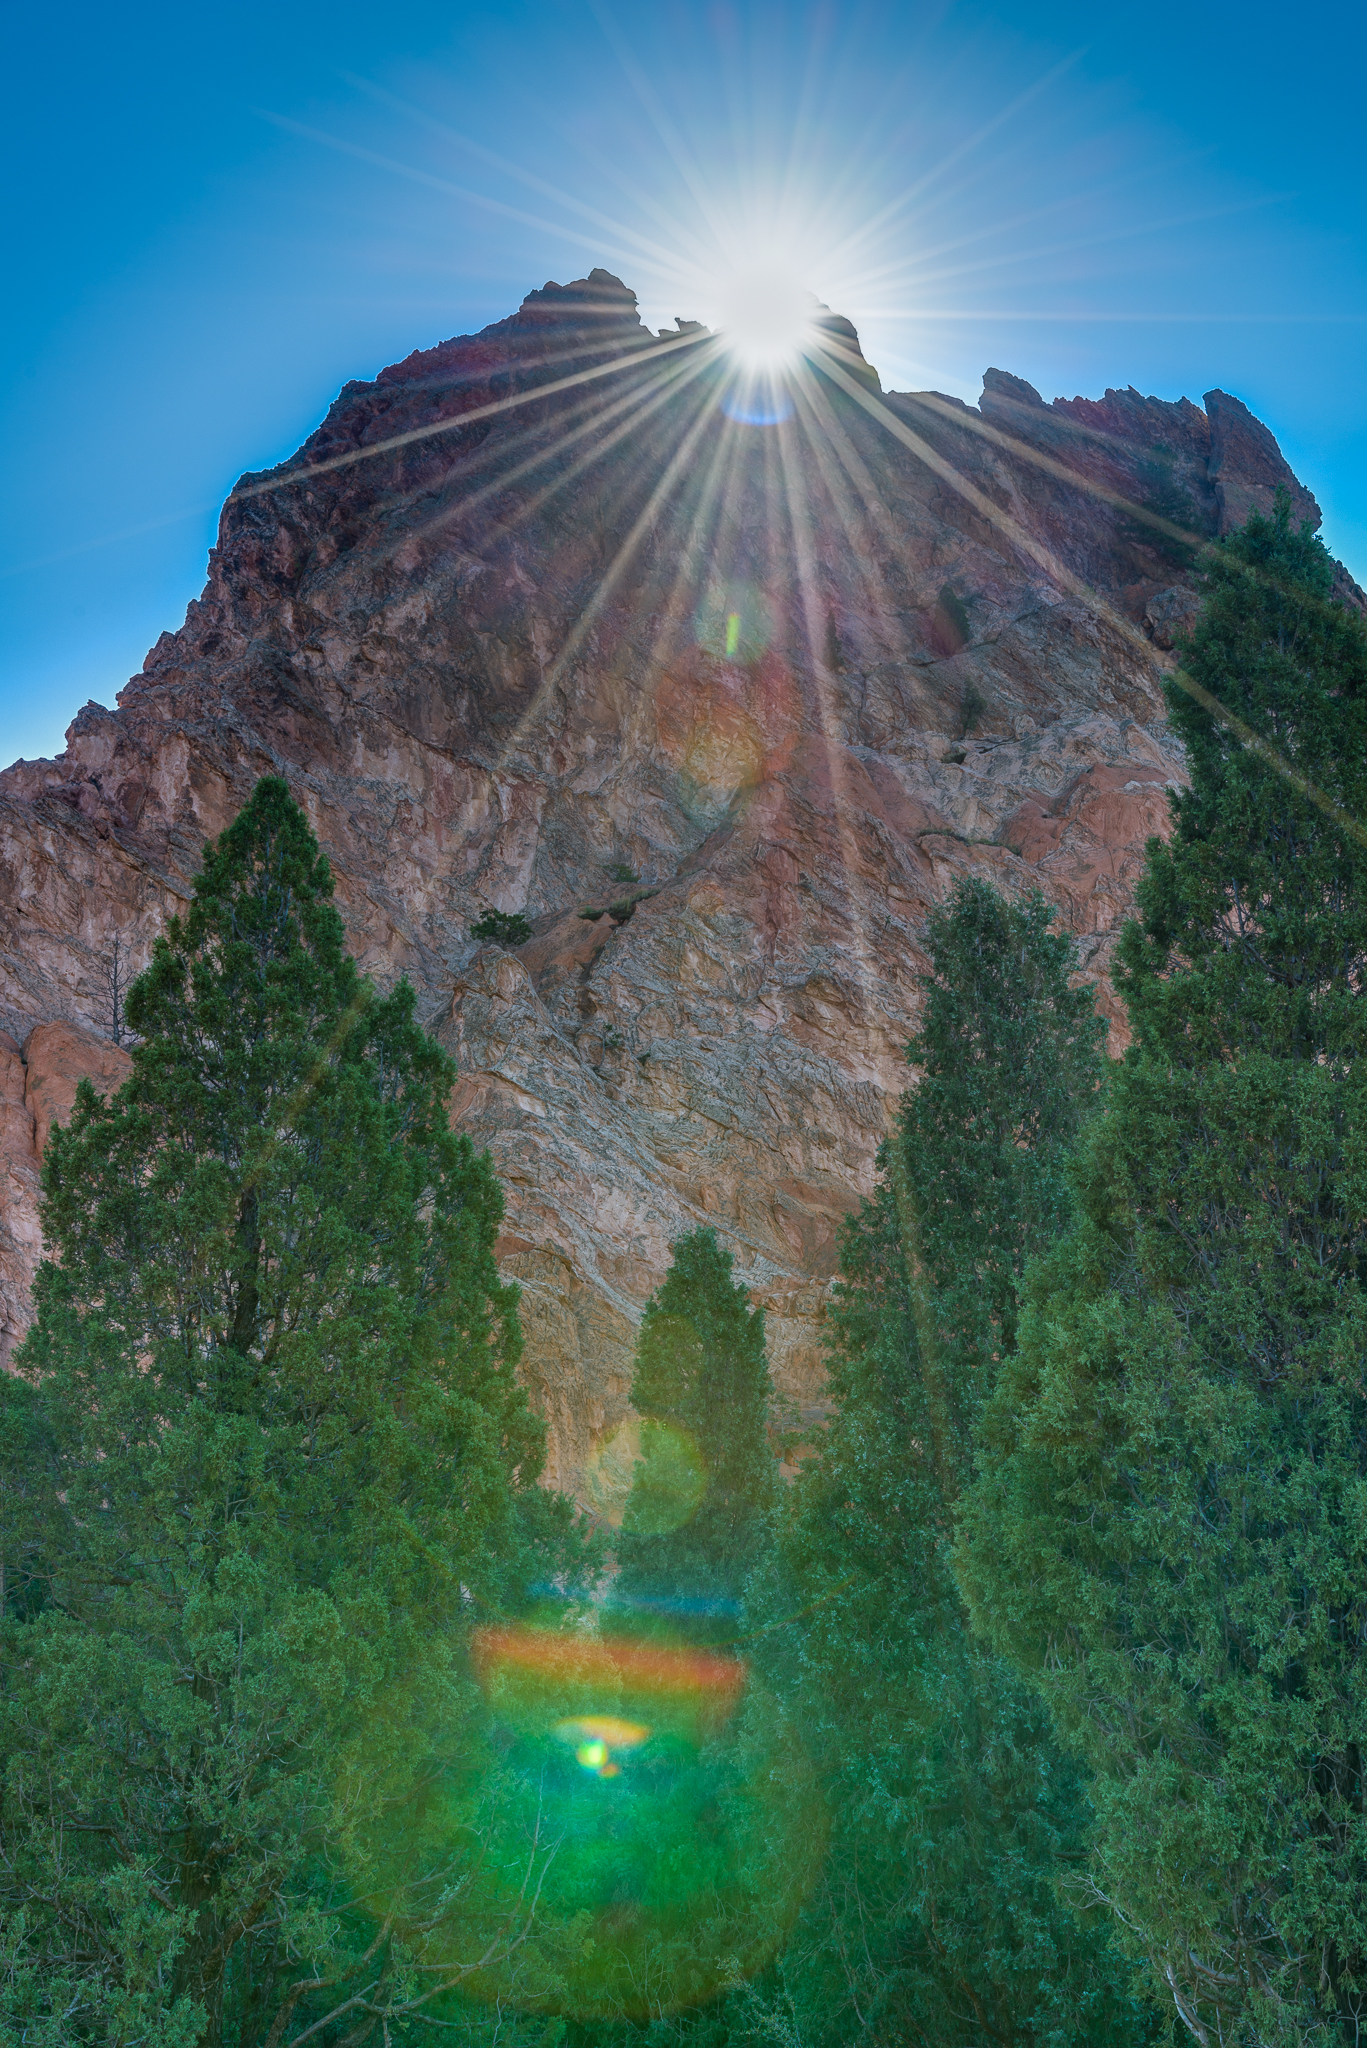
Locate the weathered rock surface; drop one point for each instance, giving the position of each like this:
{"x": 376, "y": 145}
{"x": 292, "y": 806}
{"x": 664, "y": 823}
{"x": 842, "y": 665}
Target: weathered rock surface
{"x": 38, "y": 1084}
{"x": 537, "y": 621}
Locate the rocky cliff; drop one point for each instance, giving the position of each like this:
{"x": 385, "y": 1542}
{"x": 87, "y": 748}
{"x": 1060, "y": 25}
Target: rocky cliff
{"x": 552, "y": 618}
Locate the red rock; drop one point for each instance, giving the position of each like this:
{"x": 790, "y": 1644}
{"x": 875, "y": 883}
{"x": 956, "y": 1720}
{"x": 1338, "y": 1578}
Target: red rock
{"x": 19, "y": 1233}
{"x": 37, "y": 1088}
{"x": 57, "y": 1058}
{"x": 1247, "y": 467}
{"x": 796, "y": 681}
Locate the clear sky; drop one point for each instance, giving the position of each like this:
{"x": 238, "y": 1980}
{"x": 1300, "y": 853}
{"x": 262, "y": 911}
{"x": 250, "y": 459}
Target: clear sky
{"x": 217, "y": 216}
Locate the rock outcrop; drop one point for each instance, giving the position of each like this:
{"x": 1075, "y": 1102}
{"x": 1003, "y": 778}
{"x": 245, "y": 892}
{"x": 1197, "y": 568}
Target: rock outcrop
{"x": 537, "y": 621}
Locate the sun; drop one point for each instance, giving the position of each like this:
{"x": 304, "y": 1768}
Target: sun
{"x": 765, "y": 318}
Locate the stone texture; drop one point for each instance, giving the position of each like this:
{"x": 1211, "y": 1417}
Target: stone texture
{"x": 57, "y": 1058}
{"x": 19, "y": 1232}
{"x": 1246, "y": 466}
{"x": 793, "y": 679}
{"x": 38, "y": 1084}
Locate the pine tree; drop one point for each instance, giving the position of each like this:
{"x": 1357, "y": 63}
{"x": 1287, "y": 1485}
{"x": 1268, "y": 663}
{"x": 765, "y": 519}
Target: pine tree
{"x": 696, "y": 1520}
{"x": 953, "y": 1815}
{"x": 1168, "y": 1534}
{"x": 276, "y": 1462}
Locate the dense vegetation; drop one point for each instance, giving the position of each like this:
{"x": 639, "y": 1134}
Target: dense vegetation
{"x": 267, "y": 1463}
{"x": 1030, "y": 1711}
{"x": 953, "y": 1814}
{"x": 1168, "y": 1534}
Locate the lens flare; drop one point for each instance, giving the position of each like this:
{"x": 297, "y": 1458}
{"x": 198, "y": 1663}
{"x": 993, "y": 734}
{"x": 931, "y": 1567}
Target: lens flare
{"x": 528, "y": 1672}
{"x": 757, "y": 400}
{"x": 734, "y": 620}
{"x": 655, "y": 1468}
{"x": 594, "y": 1738}
{"x": 577, "y": 1817}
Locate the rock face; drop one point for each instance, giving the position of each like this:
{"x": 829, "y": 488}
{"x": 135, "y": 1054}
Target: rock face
{"x": 553, "y": 619}
{"x": 38, "y": 1084}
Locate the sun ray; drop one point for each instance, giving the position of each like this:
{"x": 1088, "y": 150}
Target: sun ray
{"x": 809, "y": 393}
{"x": 1044, "y": 558}
{"x": 640, "y": 245}
{"x": 646, "y": 358}
{"x": 467, "y": 195}
{"x": 886, "y": 214}
{"x": 829, "y": 354}
{"x": 646, "y": 398}
{"x": 1107, "y": 239}
{"x": 690, "y": 173}
{"x": 842, "y": 806}
{"x": 464, "y": 419}
{"x": 608, "y": 581}
{"x": 647, "y": 406}
{"x": 715, "y": 487}
{"x": 827, "y": 439}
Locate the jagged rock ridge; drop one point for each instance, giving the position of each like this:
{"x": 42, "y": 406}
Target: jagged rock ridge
{"x": 754, "y": 694}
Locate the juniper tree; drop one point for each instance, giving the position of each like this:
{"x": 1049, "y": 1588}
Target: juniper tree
{"x": 954, "y": 1817}
{"x": 276, "y": 1463}
{"x": 1168, "y": 1534}
{"x": 695, "y": 1522}
{"x": 1008, "y": 1061}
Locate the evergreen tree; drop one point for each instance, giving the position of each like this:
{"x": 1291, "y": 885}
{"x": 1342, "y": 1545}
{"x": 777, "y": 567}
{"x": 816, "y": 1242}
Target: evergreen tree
{"x": 953, "y": 1814}
{"x": 1168, "y": 1534}
{"x": 696, "y": 1520}
{"x": 1008, "y": 1058}
{"x": 274, "y": 1461}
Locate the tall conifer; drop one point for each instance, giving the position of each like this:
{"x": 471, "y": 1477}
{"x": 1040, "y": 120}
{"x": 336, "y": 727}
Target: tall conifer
{"x": 1169, "y": 1533}
{"x": 277, "y": 1462}
{"x": 953, "y": 1815}
{"x": 696, "y": 1520}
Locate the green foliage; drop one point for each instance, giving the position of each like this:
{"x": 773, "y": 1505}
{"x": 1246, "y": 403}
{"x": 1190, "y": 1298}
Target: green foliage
{"x": 954, "y": 1816}
{"x": 504, "y": 927}
{"x": 1169, "y": 1535}
{"x": 268, "y": 1463}
{"x": 1258, "y": 898}
{"x": 695, "y": 1524}
{"x": 1008, "y": 1058}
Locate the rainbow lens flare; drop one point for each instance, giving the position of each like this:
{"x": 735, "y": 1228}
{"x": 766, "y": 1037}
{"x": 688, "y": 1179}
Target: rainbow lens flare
{"x": 577, "y": 1817}
{"x": 530, "y": 1675}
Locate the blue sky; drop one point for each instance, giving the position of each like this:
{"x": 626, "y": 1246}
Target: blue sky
{"x": 219, "y": 216}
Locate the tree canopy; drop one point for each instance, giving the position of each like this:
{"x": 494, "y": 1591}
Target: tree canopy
{"x": 696, "y": 1520}
{"x": 1167, "y": 1534}
{"x": 278, "y": 1463}
{"x": 953, "y": 1814}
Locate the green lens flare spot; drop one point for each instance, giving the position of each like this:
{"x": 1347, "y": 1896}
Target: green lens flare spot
{"x": 734, "y": 621}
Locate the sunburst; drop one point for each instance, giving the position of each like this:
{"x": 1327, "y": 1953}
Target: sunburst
{"x": 757, "y": 395}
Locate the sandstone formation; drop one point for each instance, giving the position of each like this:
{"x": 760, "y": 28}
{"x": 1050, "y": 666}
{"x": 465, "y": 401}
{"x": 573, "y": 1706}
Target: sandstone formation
{"x": 550, "y": 619}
